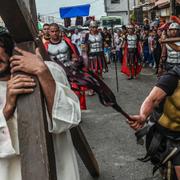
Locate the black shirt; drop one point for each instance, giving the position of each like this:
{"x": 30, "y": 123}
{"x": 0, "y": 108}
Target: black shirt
{"x": 168, "y": 83}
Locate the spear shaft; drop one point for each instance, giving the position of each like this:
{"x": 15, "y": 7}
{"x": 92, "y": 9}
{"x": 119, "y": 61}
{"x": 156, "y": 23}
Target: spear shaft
{"x": 115, "y": 60}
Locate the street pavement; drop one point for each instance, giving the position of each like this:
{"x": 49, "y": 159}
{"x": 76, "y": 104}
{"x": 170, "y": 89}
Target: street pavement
{"x": 110, "y": 137}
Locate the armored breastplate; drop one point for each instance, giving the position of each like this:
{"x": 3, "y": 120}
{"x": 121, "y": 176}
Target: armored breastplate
{"x": 59, "y": 52}
{"x": 131, "y": 40}
{"x": 95, "y": 43}
{"x": 172, "y": 55}
{"x": 171, "y": 114}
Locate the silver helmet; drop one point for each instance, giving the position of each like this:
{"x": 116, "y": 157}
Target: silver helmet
{"x": 93, "y": 24}
{"x": 174, "y": 26}
{"x": 130, "y": 26}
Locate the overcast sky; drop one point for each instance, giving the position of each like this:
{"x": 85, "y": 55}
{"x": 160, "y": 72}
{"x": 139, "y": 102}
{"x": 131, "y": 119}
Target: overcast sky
{"x": 51, "y": 7}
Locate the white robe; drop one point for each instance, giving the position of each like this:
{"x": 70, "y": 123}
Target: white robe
{"x": 65, "y": 114}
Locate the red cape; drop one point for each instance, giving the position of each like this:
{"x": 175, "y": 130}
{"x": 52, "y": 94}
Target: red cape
{"x": 72, "y": 46}
{"x": 125, "y": 69}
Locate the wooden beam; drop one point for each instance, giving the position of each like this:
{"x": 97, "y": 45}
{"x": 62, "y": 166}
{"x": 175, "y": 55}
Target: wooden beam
{"x": 84, "y": 151}
{"x": 32, "y": 4}
{"x": 36, "y": 146}
{"x": 16, "y": 21}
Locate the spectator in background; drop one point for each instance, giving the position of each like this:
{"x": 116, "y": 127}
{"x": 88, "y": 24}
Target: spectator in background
{"x": 157, "y": 48}
{"x": 76, "y": 39}
{"x": 151, "y": 49}
{"x": 145, "y": 45}
{"x": 62, "y": 33}
{"x": 118, "y": 40}
{"x": 146, "y": 24}
{"x": 100, "y": 30}
{"x": 107, "y": 37}
{"x": 124, "y": 31}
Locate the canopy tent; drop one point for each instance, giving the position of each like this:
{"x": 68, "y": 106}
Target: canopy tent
{"x": 74, "y": 11}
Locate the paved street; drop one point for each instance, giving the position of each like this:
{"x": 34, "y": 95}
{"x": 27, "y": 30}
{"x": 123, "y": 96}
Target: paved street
{"x": 112, "y": 141}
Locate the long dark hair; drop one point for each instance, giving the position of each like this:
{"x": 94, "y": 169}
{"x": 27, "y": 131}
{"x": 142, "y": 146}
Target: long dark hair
{"x": 6, "y": 41}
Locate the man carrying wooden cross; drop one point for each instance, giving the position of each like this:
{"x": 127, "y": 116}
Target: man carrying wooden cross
{"x": 63, "y": 109}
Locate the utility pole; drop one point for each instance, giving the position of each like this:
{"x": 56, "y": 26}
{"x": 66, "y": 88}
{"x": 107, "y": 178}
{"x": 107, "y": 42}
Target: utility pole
{"x": 105, "y": 6}
{"x": 128, "y": 5}
{"x": 173, "y": 7}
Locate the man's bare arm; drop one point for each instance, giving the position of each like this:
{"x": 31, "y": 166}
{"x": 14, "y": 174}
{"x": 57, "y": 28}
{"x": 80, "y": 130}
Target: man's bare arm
{"x": 152, "y": 100}
{"x": 48, "y": 86}
{"x": 174, "y": 46}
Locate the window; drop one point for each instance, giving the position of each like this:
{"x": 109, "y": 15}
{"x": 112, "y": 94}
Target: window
{"x": 115, "y": 1}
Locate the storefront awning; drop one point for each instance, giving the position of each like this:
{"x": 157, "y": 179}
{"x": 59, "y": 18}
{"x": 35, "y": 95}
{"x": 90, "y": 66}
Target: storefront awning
{"x": 74, "y": 11}
{"x": 161, "y": 3}
{"x": 141, "y": 5}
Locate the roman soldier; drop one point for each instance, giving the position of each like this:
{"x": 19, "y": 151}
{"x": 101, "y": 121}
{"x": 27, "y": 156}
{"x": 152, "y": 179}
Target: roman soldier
{"x": 163, "y": 137}
{"x": 170, "y": 57}
{"x": 62, "y": 49}
{"x": 58, "y": 49}
{"x": 162, "y": 129}
{"x": 131, "y": 61}
{"x": 95, "y": 50}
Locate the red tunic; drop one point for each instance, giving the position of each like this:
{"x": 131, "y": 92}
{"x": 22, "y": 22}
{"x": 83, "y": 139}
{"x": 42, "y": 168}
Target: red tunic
{"x": 125, "y": 69}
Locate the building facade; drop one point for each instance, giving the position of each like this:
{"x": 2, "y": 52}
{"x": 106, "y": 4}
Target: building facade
{"x": 119, "y": 8}
{"x": 158, "y": 8}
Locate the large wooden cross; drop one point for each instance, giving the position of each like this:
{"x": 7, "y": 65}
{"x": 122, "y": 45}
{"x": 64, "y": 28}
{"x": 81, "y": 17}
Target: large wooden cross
{"x": 36, "y": 145}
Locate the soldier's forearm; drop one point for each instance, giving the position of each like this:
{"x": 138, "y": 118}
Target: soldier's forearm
{"x": 170, "y": 40}
{"x": 146, "y": 108}
{"x": 152, "y": 100}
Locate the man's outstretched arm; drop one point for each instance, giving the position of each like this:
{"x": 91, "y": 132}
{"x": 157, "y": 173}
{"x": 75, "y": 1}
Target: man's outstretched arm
{"x": 152, "y": 100}
{"x": 174, "y": 46}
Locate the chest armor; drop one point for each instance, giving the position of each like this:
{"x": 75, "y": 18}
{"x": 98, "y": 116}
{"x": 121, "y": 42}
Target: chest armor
{"x": 171, "y": 117}
{"x": 173, "y": 56}
{"x": 59, "y": 52}
{"x": 95, "y": 43}
{"x": 132, "y": 41}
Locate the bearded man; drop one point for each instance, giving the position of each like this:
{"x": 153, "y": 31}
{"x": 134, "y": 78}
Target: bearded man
{"x": 63, "y": 110}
